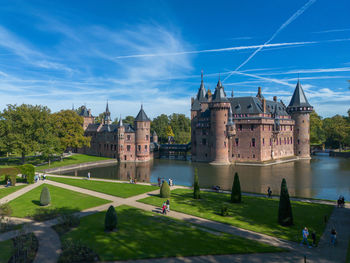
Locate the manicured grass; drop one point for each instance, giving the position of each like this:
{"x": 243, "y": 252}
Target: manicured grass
{"x": 9, "y": 190}
{"x": 74, "y": 159}
{"x": 258, "y": 214}
{"x": 143, "y": 234}
{"x": 348, "y": 254}
{"x": 6, "y": 248}
{"x": 62, "y": 201}
{"x": 124, "y": 190}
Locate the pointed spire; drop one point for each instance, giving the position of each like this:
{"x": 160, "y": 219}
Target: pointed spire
{"x": 72, "y": 106}
{"x": 299, "y": 99}
{"x": 232, "y": 93}
{"x": 202, "y": 75}
{"x": 120, "y": 123}
{"x": 107, "y": 108}
{"x": 219, "y": 94}
{"x": 201, "y": 92}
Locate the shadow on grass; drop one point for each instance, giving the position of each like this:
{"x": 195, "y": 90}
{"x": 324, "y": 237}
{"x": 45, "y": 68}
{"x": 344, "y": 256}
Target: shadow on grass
{"x": 36, "y": 202}
{"x": 43, "y": 214}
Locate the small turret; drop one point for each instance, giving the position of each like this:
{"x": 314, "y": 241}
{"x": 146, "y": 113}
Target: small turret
{"x": 231, "y": 126}
{"x": 142, "y": 135}
{"x": 107, "y": 119}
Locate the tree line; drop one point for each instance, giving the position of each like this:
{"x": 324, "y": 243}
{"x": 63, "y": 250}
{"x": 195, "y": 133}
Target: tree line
{"x": 333, "y": 132}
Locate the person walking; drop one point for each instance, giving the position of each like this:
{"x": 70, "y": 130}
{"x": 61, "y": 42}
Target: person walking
{"x": 305, "y": 234}
{"x": 269, "y": 192}
{"x": 164, "y": 208}
{"x": 333, "y": 236}
{"x": 168, "y": 205}
{"x": 88, "y": 177}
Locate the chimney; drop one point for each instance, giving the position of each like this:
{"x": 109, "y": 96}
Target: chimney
{"x": 275, "y": 98}
{"x": 264, "y": 105}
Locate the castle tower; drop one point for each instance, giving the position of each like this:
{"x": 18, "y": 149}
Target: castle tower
{"x": 219, "y": 110}
{"x": 142, "y": 135}
{"x": 300, "y": 109}
{"x": 107, "y": 118}
{"x": 121, "y": 139}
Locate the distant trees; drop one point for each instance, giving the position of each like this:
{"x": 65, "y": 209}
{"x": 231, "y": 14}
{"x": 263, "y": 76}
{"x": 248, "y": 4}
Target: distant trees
{"x": 175, "y": 125}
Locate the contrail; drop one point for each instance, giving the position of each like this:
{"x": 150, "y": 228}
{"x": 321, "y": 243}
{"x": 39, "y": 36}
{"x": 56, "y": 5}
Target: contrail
{"x": 290, "y": 20}
{"x": 217, "y": 50}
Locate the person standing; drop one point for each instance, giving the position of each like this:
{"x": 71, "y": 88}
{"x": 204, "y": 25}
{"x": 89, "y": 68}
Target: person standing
{"x": 269, "y": 192}
{"x": 333, "y": 236}
{"x": 305, "y": 234}
{"x": 88, "y": 175}
{"x": 164, "y": 208}
{"x": 168, "y": 205}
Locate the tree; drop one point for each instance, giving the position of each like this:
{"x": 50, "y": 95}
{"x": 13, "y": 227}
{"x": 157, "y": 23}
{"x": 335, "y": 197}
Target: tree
{"x": 160, "y": 124}
{"x": 111, "y": 219}
{"x": 29, "y": 171}
{"x": 165, "y": 190}
{"x": 236, "y": 195}
{"x": 68, "y": 127}
{"x": 285, "y": 216}
{"x": 100, "y": 117}
{"x": 317, "y": 134}
{"x": 129, "y": 120}
{"x": 169, "y": 132}
{"x": 25, "y": 129}
{"x": 181, "y": 126}
{"x": 196, "y": 189}
{"x": 337, "y": 130}
{"x": 45, "y": 198}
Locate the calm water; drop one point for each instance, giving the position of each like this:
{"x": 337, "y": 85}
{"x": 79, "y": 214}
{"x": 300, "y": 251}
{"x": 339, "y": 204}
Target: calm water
{"x": 321, "y": 177}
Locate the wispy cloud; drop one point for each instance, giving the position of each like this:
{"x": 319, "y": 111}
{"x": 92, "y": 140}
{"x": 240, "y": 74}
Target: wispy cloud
{"x": 285, "y": 24}
{"x": 332, "y": 30}
{"x": 304, "y": 71}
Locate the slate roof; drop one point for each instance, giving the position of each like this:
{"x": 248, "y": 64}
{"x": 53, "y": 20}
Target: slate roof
{"x": 196, "y": 105}
{"x": 109, "y": 128}
{"x": 92, "y": 127}
{"x": 128, "y": 128}
{"x": 299, "y": 99}
{"x": 219, "y": 94}
{"x": 201, "y": 95}
{"x": 141, "y": 116}
{"x": 84, "y": 112}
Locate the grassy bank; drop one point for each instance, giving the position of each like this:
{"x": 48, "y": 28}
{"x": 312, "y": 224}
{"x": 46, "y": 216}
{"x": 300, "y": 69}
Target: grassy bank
{"x": 124, "y": 190}
{"x": 9, "y": 190}
{"x": 62, "y": 201}
{"x": 258, "y": 214}
{"x": 142, "y": 234}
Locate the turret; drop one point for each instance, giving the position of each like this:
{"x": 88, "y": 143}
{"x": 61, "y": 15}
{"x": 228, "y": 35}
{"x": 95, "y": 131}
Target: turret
{"x": 121, "y": 138}
{"x": 300, "y": 109}
{"x": 230, "y": 126}
{"x": 107, "y": 118}
{"x": 142, "y": 135}
{"x": 219, "y": 110}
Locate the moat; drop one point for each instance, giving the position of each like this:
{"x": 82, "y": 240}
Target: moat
{"x": 321, "y": 177}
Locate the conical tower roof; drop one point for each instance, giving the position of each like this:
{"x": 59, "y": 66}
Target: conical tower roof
{"x": 141, "y": 116}
{"x": 299, "y": 99}
{"x": 219, "y": 94}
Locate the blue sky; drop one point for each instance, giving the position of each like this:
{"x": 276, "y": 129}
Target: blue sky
{"x": 59, "y": 53}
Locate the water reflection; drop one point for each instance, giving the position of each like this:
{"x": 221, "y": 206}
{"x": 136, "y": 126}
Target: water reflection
{"x": 321, "y": 177}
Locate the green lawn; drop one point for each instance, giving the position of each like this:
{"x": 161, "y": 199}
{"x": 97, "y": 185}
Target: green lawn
{"x": 258, "y": 214}
{"x": 6, "y": 248}
{"x": 62, "y": 201}
{"x": 124, "y": 190}
{"x": 348, "y": 253}
{"x": 8, "y": 190}
{"x": 143, "y": 234}
{"x": 74, "y": 159}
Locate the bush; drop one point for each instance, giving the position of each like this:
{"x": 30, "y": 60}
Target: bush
{"x": 45, "y": 198}
{"x": 111, "y": 219}
{"x": 25, "y": 248}
{"x": 236, "y": 195}
{"x": 165, "y": 190}
{"x": 285, "y": 216}
{"x": 76, "y": 252}
{"x": 5, "y": 210}
{"x": 196, "y": 190}
{"x": 29, "y": 171}
{"x": 13, "y": 179}
{"x": 224, "y": 210}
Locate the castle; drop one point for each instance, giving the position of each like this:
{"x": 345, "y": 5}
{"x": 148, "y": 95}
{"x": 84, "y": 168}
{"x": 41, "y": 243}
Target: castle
{"x": 248, "y": 129}
{"x": 125, "y": 142}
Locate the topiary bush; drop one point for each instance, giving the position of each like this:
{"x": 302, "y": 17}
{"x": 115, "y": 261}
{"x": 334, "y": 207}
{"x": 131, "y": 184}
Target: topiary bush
{"x": 236, "y": 195}
{"x": 196, "y": 190}
{"x": 111, "y": 219}
{"x": 76, "y": 251}
{"x": 45, "y": 198}
{"x": 29, "y": 171}
{"x": 165, "y": 190}
{"x": 285, "y": 216}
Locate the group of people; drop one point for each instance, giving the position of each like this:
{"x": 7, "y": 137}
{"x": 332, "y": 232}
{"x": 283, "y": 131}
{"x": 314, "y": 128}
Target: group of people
{"x": 341, "y": 201}
{"x": 166, "y": 207}
{"x": 305, "y": 234}
{"x": 162, "y": 180}
{"x": 37, "y": 177}
{"x": 133, "y": 180}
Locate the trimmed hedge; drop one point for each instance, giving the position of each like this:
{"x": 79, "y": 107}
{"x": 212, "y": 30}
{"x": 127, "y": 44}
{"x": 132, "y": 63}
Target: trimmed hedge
{"x": 165, "y": 190}
{"x": 196, "y": 190}
{"x": 45, "y": 198}
{"x": 111, "y": 219}
{"x": 29, "y": 171}
{"x": 285, "y": 215}
{"x": 236, "y": 195}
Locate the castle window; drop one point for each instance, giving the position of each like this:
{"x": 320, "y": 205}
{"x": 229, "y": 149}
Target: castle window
{"x": 128, "y": 137}
{"x": 264, "y": 141}
{"x": 252, "y": 127}
{"x": 253, "y": 155}
{"x": 146, "y": 137}
{"x": 204, "y": 141}
{"x": 237, "y": 141}
{"x": 240, "y": 127}
{"x": 270, "y": 142}
{"x": 299, "y": 143}
{"x": 253, "y": 142}
{"x": 145, "y": 147}
{"x": 128, "y": 148}
{"x": 284, "y": 140}
{"x": 139, "y": 147}
{"x": 225, "y": 144}
{"x": 233, "y": 155}
{"x": 239, "y": 155}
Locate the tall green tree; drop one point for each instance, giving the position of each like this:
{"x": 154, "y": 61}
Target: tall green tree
{"x": 100, "y": 117}
{"x": 285, "y": 215}
{"x": 196, "y": 189}
{"x": 317, "y": 133}
{"x": 160, "y": 124}
{"x": 25, "y": 129}
{"x": 337, "y": 130}
{"x": 236, "y": 195}
{"x": 181, "y": 126}
{"x": 129, "y": 120}
{"x": 68, "y": 127}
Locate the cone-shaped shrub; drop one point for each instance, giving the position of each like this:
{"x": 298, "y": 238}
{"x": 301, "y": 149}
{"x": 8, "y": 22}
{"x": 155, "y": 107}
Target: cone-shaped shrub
{"x": 165, "y": 190}
{"x": 236, "y": 195}
{"x": 45, "y": 197}
{"x": 196, "y": 190}
{"x": 285, "y": 216}
{"x": 111, "y": 219}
